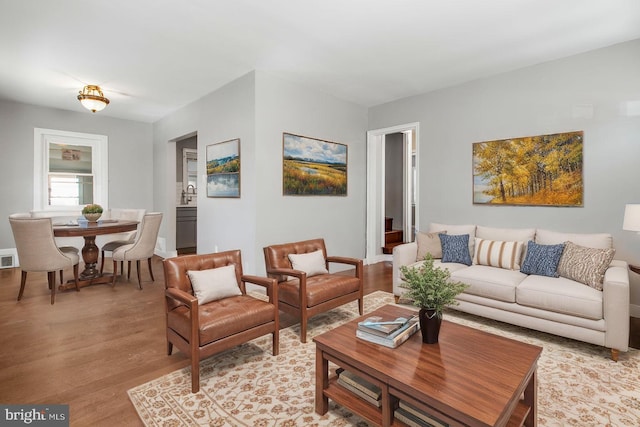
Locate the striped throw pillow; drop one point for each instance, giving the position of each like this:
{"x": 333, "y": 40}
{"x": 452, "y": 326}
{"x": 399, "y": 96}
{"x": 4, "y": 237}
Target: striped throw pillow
{"x": 496, "y": 253}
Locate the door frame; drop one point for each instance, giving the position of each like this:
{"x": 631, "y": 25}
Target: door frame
{"x": 376, "y": 191}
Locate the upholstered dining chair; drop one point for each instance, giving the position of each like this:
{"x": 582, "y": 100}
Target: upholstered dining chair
{"x": 141, "y": 248}
{"x": 37, "y": 251}
{"x": 109, "y": 242}
{"x": 208, "y": 309}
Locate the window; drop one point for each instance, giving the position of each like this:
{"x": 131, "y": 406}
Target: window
{"x": 70, "y": 169}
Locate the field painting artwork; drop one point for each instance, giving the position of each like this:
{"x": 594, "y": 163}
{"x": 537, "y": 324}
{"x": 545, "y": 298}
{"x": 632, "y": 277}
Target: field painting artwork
{"x": 223, "y": 169}
{"x": 313, "y": 167}
{"x": 544, "y": 170}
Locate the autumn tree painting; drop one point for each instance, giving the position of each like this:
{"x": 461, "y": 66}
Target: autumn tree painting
{"x": 544, "y": 170}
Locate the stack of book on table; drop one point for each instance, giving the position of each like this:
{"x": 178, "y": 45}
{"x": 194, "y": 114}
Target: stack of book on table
{"x": 413, "y": 417}
{"x": 360, "y": 387}
{"x": 390, "y": 333}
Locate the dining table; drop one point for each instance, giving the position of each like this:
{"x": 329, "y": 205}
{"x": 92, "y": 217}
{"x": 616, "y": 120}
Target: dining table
{"x": 89, "y": 231}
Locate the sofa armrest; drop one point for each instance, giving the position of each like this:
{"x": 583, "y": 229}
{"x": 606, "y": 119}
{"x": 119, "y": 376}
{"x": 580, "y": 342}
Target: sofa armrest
{"x": 404, "y": 254}
{"x": 616, "y": 301}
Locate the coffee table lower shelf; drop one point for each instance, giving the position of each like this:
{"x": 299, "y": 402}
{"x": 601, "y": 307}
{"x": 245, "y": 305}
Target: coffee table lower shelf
{"x": 373, "y": 414}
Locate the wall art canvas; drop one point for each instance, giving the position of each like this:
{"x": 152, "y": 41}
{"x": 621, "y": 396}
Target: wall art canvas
{"x": 223, "y": 169}
{"x": 313, "y": 167}
{"x": 544, "y": 170}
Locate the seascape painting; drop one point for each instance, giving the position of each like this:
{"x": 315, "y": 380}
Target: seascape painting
{"x": 543, "y": 170}
{"x": 223, "y": 169}
{"x": 313, "y": 167}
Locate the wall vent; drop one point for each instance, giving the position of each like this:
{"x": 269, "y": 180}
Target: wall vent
{"x": 7, "y": 261}
{"x": 8, "y": 258}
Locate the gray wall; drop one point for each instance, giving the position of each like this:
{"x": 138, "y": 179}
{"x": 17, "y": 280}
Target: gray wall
{"x": 258, "y": 108}
{"x": 223, "y": 223}
{"x": 543, "y": 99}
{"x": 283, "y": 106}
{"x": 130, "y": 160}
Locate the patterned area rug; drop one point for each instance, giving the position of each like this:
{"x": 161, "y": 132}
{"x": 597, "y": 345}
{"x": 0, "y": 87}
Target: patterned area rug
{"x": 246, "y": 386}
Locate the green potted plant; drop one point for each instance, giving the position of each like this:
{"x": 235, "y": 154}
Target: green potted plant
{"x": 92, "y": 212}
{"x": 431, "y": 290}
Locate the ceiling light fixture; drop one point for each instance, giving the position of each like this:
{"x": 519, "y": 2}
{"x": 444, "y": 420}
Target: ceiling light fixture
{"x": 92, "y": 98}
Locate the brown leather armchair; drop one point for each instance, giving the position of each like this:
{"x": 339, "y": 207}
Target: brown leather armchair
{"x": 305, "y": 295}
{"x": 200, "y": 331}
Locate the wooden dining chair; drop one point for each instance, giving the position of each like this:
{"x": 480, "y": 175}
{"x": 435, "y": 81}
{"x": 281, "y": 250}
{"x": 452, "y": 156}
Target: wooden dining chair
{"x": 37, "y": 251}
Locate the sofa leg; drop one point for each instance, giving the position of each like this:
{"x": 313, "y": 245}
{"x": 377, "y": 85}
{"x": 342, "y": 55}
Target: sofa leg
{"x": 614, "y": 354}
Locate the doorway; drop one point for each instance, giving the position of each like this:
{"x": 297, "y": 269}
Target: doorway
{"x": 187, "y": 195}
{"x": 391, "y": 151}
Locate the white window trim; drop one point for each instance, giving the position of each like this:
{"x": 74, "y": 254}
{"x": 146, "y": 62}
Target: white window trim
{"x": 100, "y": 149}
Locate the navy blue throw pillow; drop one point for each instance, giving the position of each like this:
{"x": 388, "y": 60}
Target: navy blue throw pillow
{"x": 455, "y": 248}
{"x": 542, "y": 260}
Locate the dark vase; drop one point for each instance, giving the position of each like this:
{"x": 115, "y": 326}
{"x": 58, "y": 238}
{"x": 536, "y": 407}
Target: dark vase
{"x": 430, "y": 322}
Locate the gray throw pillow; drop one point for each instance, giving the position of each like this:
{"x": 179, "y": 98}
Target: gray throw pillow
{"x": 542, "y": 260}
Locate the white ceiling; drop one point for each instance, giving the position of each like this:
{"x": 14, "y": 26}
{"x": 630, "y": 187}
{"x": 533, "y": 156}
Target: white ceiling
{"x": 153, "y": 56}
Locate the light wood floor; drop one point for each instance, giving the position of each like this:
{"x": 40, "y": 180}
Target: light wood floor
{"x": 91, "y": 346}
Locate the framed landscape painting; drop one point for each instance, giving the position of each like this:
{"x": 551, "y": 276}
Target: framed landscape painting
{"x": 544, "y": 170}
{"x": 313, "y": 167}
{"x": 223, "y": 169}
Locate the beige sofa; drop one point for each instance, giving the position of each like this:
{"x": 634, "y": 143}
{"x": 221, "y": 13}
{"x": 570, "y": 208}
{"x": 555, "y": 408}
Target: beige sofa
{"x": 556, "y": 305}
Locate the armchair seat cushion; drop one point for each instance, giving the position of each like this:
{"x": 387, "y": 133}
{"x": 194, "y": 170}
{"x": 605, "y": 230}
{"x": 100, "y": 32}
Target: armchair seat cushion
{"x": 320, "y": 288}
{"x": 222, "y": 318}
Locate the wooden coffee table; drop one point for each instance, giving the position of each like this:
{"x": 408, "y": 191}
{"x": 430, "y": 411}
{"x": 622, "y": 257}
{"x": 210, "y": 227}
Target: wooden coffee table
{"x": 470, "y": 377}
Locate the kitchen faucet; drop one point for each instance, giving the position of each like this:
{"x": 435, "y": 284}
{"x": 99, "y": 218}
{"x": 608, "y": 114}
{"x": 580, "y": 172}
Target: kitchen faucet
{"x": 185, "y": 194}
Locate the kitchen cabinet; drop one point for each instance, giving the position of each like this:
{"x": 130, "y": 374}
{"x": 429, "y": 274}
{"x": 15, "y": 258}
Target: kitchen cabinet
{"x": 186, "y": 227}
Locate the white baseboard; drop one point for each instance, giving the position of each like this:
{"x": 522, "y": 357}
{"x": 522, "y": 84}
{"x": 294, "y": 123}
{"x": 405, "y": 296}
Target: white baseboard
{"x": 634, "y": 310}
{"x": 378, "y": 258}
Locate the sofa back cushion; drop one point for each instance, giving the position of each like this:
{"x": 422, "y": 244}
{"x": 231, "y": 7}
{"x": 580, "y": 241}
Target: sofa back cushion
{"x": 506, "y": 234}
{"x": 590, "y": 240}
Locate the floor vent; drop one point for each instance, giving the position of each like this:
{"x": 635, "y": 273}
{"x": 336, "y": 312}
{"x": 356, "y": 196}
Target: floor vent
{"x": 6, "y": 261}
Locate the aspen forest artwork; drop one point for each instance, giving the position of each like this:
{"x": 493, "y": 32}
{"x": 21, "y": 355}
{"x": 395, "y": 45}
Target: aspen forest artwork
{"x": 313, "y": 167}
{"x": 543, "y": 170}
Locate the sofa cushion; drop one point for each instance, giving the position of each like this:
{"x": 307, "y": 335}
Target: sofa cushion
{"x": 585, "y": 265}
{"x": 591, "y": 240}
{"x": 497, "y": 253}
{"x": 451, "y": 266}
{"x": 428, "y": 243}
{"x": 560, "y": 295}
{"x": 542, "y": 260}
{"x": 456, "y": 230}
{"x": 455, "y": 248}
{"x": 506, "y": 234}
{"x": 490, "y": 282}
